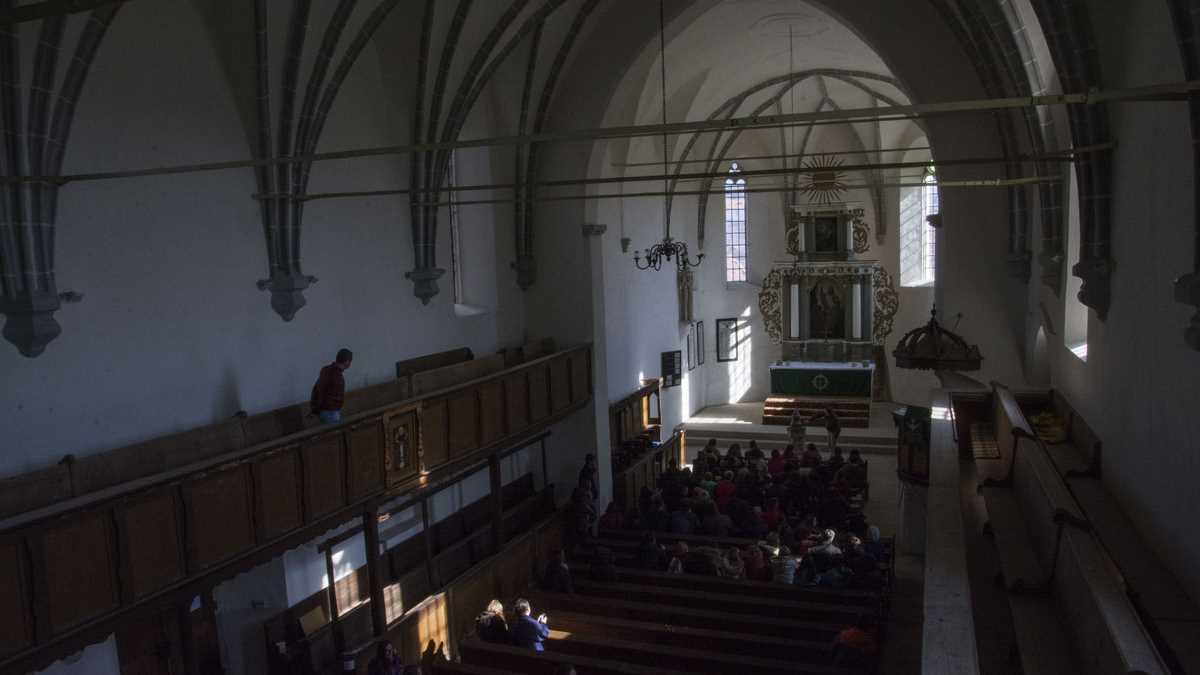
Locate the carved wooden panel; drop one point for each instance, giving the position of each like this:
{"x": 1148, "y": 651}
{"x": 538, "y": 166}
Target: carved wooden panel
{"x": 16, "y": 628}
{"x": 581, "y": 380}
{"x": 277, "y": 479}
{"x": 516, "y": 394}
{"x": 491, "y": 412}
{"x": 560, "y": 386}
{"x": 539, "y": 393}
{"x": 400, "y": 456}
{"x": 366, "y": 472}
{"x": 151, "y": 541}
{"x": 324, "y": 477}
{"x": 80, "y": 568}
{"x": 464, "y": 423}
{"x": 217, "y": 507}
{"x": 434, "y": 434}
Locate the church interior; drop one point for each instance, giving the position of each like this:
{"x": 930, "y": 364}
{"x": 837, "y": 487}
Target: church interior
{"x": 733, "y": 336}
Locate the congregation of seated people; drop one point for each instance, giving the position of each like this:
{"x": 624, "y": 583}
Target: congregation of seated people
{"x": 798, "y": 506}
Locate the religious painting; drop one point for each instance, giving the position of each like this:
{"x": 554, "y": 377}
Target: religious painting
{"x": 401, "y": 459}
{"x": 795, "y": 225}
{"x": 672, "y": 368}
{"x": 827, "y": 311}
{"x": 699, "y": 343}
{"x": 727, "y": 340}
{"x": 825, "y": 233}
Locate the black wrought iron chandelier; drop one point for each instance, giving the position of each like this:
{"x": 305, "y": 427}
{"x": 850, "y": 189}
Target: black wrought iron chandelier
{"x": 669, "y": 249}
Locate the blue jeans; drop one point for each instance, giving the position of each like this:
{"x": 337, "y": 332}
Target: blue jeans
{"x": 330, "y": 416}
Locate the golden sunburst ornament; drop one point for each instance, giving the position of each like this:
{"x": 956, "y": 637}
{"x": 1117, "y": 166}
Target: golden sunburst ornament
{"x": 822, "y": 181}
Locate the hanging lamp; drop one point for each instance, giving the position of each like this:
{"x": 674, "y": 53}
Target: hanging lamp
{"x": 668, "y": 249}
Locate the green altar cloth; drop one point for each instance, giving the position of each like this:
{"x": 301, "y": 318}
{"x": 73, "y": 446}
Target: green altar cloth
{"x": 821, "y": 379}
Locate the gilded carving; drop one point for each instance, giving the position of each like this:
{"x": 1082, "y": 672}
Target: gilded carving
{"x": 887, "y": 301}
{"x": 769, "y": 305}
{"x": 861, "y": 229}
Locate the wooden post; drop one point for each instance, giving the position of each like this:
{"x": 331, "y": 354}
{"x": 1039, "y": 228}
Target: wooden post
{"x": 374, "y": 572}
{"x": 425, "y": 534}
{"x": 497, "y": 485}
{"x": 339, "y": 638}
{"x": 545, "y": 469}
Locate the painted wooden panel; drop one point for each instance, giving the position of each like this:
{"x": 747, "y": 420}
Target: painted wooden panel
{"x": 277, "y": 482}
{"x": 16, "y": 626}
{"x": 464, "y": 423}
{"x": 152, "y": 541}
{"x": 434, "y": 434}
{"x": 217, "y": 506}
{"x": 560, "y": 386}
{"x": 366, "y": 472}
{"x": 324, "y": 477}
{"x": 81, "y": 570}
{"x": 516, "y": 394}
{"x": 539, "y": 393}
{"x": 491, "y": 412}
{"x": 581, "y": 385}
{"x": 401, "y": 437}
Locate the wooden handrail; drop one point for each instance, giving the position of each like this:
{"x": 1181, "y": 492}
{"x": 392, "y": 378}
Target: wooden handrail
{"x": 161, "y": 539}
{"x": 235, "y": 456}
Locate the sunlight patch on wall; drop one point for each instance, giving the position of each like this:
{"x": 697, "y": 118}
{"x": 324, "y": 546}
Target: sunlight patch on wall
{"x": 740, "y": 370}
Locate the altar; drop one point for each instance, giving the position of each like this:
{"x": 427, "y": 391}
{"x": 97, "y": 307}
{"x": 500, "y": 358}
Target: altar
{"x": 809, "y": 378}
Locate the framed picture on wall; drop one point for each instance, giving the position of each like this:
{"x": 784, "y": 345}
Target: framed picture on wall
{"x": 727, "y": 340}
{"x": 691, "y": 347}
{"x": 672, "y": 368}
{"x": 699, "y": 343}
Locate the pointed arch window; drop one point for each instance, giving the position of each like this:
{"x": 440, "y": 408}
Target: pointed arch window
{"x": 918, "y": 239}
{"x": 735, "y": 225}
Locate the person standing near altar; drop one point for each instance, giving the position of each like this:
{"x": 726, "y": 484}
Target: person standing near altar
{"x": 833, "y": 426}
{"x": 796, "y": 429}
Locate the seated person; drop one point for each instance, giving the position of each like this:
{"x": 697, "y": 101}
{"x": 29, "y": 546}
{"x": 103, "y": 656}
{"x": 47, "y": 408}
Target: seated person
{"x": 825, "y": 545}
{"x": 777, "y": 463}
{"x": 679, "y": 553}
{"x": 613, "y": 518}
{"x": 724, "y": 490}
{"x": 683, "y": 521}
{"x": 491, "y": 626}
{"x": 754, "y": 452}
{"x": 386, "y": 661}
{"x": 811, "y": 457}
{"x": 836, "y": 460}
{"x": 527, "y": 632}
{"x": 772, "y": 515}
{"x": 650, "y": 554}
{"x": 855, "y": 645}
{"x": 557, "y": 578}
{"x": 603, "y": 566}
{"x": 713, "y": 522}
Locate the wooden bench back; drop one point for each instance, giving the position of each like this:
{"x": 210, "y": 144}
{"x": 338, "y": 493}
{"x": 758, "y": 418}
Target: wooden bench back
{"x": 1087, "y": 587}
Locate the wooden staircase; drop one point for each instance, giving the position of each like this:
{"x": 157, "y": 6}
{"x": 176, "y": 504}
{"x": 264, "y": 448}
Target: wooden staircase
{"x": 852, "y": 412}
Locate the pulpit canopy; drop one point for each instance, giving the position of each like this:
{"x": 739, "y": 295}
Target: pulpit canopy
{"x": 932, "y": 347}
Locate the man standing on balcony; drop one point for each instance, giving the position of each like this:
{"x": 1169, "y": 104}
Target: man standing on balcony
{"x": 329, "y": 393}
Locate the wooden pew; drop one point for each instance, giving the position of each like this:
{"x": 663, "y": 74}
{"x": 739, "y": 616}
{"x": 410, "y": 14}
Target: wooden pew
{"x": 868, "y": 600}
{"x": 817, "y": 628}
{"x": 729, "y": 603}
{"x": 694, "y": 658}
{"x": 454, "y": 668}
{"x": 476, "y": 652}
{"x": 716, "y": 639}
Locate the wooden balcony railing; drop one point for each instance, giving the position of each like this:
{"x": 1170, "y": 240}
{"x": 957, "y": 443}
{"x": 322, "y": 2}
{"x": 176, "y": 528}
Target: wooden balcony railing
{"x": 72, "y": 570}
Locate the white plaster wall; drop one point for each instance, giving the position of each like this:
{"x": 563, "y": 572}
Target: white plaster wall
{"x": 172, "y": 333}
{"x": 1138, "y": 388}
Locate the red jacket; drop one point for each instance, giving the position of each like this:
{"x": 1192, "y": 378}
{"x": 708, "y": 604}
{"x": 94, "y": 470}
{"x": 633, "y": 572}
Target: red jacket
{"x": 329, "y": 393}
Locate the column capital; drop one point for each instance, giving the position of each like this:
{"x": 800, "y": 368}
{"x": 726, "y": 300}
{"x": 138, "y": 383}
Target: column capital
{"x": 594, "y": 229}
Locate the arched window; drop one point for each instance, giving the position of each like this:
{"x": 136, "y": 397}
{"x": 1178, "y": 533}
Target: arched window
{"x": 918, "y": 239}
{"x": 735, "y": 225}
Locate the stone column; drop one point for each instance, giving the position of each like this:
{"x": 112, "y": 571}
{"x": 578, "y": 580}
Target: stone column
{"x": 856, "y": 308}
{"x": 805, "y": 310}
{"x": 593, "y": 235}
